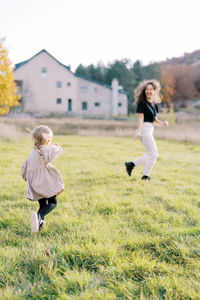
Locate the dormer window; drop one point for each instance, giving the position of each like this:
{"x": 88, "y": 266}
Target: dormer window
{"x": 44, "y": 71}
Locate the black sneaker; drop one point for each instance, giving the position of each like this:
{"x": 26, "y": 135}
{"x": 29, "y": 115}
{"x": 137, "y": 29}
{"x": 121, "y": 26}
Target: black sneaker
{"x": 129, "y": 167}
{"x": 144, "y": 177}
{"x": 41, "y": 225}
{"x": 40, "y": 222}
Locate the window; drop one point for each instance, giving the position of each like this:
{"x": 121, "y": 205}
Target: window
{"x": 84, "y": 105}
{"x": 119, "y": 104}
{"x": 21, "y": 100}
{"x": 58, "y": 100}
{"x": 44, "y": 70}
{"x": 95, "y": 90}
{"x": 19, "y": 84}
{"x": 68, "y": 83}
{"x": 84, "y": 89}
{"x": 69, "y": 104}
{"x": 59, "y": 84}
{"x": 97, "y": 104}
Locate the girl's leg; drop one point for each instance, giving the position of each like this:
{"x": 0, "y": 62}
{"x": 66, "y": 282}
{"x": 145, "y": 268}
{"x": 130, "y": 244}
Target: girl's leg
{"x": 37, "y": 219}
{"x": 43, "y": 204}
{"x": 52, "y": 203}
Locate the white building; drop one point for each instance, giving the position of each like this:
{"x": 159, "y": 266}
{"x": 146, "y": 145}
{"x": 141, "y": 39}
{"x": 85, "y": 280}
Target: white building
{"x": 47, "y": 86}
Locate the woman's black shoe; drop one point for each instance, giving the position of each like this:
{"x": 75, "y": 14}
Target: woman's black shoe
{"x": 144, "y": 177}
{"x": 129, "y": 167}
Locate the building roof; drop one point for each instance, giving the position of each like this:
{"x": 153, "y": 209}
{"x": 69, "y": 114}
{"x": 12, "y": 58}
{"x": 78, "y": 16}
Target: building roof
{"x": 93, "y": 80}
{"x": 17, "y": 66}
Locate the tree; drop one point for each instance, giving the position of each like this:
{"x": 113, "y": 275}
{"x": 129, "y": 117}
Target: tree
{"x": 8, "y": 88}
{"x": 186, "y": 89}
{"x": 96, "y": 73}
{"x": 82, "y": 70}
{"x": 138, "y": 71}
{"x": 120, "y": 70}
{"x": 168, "y": 83}
{"x": 195, "y": 73}
{"x": 128, "y": 75}
{"x": 152, "y": 71}
{"x": 178, "y": 83}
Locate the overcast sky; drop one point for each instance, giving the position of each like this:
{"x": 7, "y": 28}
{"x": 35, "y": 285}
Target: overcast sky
{"x": 89, "y": 31}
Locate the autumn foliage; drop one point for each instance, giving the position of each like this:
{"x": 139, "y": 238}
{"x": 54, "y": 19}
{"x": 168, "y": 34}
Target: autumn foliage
{"x": 180, "y": 82}
{"x": 8, "y": 89}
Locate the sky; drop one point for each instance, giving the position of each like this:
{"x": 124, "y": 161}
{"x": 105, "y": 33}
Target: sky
{"x": 100, "y": 31}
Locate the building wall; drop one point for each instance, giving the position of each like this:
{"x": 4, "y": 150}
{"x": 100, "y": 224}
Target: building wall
{"x": 97, "y": 97}
{"x": 122, "y": 109}
{"x": 40, "y": 91}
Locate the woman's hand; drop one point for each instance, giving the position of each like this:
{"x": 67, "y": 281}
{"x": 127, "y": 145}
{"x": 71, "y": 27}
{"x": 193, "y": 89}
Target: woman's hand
{"x": 165, "y": 124}
{"x": 137, "y": 134}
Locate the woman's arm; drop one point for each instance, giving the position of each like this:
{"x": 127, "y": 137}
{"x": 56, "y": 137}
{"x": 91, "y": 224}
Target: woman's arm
{"x": 139, "y": 126}
{"x": 160, "y": 123}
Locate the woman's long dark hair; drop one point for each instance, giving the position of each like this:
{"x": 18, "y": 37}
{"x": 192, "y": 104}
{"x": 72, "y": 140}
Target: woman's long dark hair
{"x": 139, "y": 92}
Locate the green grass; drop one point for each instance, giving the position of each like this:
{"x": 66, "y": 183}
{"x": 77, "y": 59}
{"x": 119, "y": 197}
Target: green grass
{"x": 111, "y": 236}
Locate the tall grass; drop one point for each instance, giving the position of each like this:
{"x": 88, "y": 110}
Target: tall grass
{"x": 111, "y": 236}
{"x": 177, "y": 131}
{"x": 10, "y": 132}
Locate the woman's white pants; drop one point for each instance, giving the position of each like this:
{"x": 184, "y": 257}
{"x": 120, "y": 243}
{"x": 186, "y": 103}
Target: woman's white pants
{"x": 149, "y": 144}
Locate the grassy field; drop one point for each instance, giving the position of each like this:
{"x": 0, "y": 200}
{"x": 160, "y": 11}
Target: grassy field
{"x": 111, "y": 236}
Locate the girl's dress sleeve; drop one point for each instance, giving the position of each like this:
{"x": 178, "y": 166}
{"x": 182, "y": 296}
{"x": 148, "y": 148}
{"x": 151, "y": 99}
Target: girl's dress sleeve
{"x": 23, "y": 170}
{"x": 51, "y": 152}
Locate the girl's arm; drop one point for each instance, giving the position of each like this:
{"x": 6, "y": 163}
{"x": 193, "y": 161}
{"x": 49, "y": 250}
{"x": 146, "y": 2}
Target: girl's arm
{"x": 160, "y": 123}
{"x": 139, "y": 126}
{"x": 51, "y": 152}
{"x": 23, "y": 170}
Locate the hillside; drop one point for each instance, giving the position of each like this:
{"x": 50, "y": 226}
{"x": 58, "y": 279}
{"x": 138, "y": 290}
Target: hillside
{"x": 192, "y": 58}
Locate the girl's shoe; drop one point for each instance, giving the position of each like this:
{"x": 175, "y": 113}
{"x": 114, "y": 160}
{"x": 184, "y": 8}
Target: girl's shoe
{"x": 34, "y": 222}
{"x": 41, "y": 224}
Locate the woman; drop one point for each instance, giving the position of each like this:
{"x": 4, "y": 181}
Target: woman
{"x": 147, "y": 95}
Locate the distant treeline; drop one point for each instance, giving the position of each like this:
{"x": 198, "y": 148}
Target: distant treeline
{"x": 179, "y": 81}
{"x": 128, "y": 75}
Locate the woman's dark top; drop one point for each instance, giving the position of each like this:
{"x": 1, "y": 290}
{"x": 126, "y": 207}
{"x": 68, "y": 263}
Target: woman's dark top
{"x": 149, "y": 110}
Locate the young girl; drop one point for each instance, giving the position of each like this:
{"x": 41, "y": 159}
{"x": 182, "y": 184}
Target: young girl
{"x": 147, "y": 95}
{"x": 44, "y": 182}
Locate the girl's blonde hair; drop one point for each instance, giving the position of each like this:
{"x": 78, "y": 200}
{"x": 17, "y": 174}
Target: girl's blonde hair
{"x": 41, "y": 134}
{"x": 139, "y": 92}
